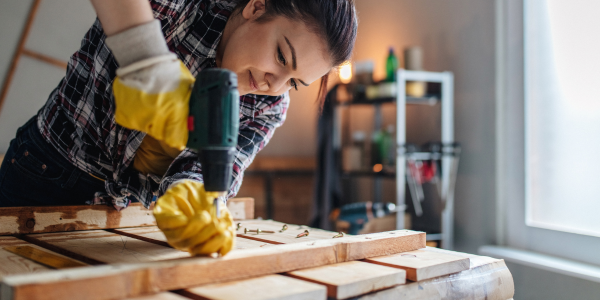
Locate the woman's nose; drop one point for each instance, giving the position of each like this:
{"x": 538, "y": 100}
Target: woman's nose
{"x": 275, "y": 82}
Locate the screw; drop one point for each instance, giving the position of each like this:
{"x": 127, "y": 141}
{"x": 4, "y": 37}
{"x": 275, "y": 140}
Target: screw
{"x": 305, "y": 233}
{"x": 238, "y": 226}
{"x": 339, "y": 235}
{"x": 284, "y": 228}
{"x": 258, "y": 231}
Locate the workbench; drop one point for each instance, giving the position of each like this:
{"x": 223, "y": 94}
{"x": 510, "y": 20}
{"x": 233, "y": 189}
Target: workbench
{"x": 95, "y": 252}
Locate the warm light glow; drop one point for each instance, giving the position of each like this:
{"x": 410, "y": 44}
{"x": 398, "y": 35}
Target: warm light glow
{"x": 377, "y": 168}
{"x": 346, "y": 72}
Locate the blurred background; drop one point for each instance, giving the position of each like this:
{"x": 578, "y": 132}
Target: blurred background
{"x": 493, "y": 152}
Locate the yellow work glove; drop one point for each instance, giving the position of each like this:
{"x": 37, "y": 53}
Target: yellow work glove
{"x": 187, "y": 216}
{"x": 153, "y": 87}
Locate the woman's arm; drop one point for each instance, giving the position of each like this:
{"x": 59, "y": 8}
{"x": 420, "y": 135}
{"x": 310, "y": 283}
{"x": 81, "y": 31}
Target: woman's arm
{"x": 119, "y": 15}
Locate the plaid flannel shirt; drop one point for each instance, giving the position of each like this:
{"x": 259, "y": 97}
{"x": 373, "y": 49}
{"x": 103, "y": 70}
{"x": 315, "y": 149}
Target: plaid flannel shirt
{"x": 78, "y": 118}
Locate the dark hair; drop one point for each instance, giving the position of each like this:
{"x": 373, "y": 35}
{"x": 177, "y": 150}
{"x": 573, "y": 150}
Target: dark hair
{"x": 334, "y": 20}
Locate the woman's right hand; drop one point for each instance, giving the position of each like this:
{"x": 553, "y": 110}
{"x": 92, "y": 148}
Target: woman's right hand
{"x": 186, "y": 215}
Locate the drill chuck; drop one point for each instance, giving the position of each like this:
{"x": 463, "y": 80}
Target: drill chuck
{"x": 217, "y": 165}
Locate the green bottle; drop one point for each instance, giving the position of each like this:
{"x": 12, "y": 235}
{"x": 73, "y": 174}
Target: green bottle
{"x": 391, "y": 66}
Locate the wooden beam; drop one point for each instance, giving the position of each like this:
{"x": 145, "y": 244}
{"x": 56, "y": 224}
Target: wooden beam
{"x": 45, "y": 58}
{"x": 153, "y": 234}
{"x": 281, "y": 237}
{"x": 241, "y": 208}
{"x": 259, "y": 288}
{"x": 15, "y": 60}
{"x": 424, "y": 264}
{"x": 106, "y": 247}
{"x": 488, "y": 278}
{"x": 160, "y": 296}
{"x": 351, "y": 279}
{"x": 134, "y": 279}
{"x": 45, "y": 219}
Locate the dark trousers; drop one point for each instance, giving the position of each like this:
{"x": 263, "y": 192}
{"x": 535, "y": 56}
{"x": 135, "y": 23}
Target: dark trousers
{"x": 33, "y": 173}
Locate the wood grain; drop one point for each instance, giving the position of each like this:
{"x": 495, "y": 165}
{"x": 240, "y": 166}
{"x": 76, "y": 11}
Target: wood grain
{"x": 424, "y": 264}
{"x": 350, "y": 279}
{"x": 42, "y": 219}
{"x": 259, "y": 288}
{"x": 241, "y": 208}
{"x": 44, "y": 257}
{"x": 135, "y": 279}
{"x": 11, "y": 263}
{"x": 154, "y": 235}
{"x": 285, "y": 237}
{"x": 45, "y": 219}
{"x": 488, "y": 279}
{"x": 160, "y": 296}
{"x": 108, "y": 247}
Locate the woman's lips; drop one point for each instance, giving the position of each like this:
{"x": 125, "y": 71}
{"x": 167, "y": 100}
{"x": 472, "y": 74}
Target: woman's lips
{"x": 252, "y": 83}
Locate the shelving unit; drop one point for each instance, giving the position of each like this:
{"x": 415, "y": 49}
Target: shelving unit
{"x": 446, "y": 154}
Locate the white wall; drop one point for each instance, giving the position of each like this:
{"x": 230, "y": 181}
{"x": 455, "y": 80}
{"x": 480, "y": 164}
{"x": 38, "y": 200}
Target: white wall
{"x": 56, "y": 32}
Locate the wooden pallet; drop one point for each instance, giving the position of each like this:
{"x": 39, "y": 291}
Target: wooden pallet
{"x": 120, "y": 263}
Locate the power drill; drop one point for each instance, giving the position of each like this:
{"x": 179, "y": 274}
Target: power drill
{"x": 213, "y": 126}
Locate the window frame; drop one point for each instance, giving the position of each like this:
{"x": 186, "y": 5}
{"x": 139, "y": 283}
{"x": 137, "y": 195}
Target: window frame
{"x": 512, "y": 229}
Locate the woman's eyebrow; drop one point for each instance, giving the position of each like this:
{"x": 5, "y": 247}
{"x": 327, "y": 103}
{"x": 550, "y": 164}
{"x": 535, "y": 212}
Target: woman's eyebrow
{"x": 293, "y": 52}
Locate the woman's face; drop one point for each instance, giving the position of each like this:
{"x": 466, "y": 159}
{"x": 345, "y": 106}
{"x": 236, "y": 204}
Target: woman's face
{"x": 271, "y": 57}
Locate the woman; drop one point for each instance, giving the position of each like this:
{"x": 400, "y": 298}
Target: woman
{"x": 114, "y": 130}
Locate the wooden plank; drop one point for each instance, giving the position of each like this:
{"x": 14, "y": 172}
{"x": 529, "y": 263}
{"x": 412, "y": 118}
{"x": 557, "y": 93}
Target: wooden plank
{"x": 488, "y": 278}
{"x": 423, "y": 264}
{"x": 154, "y": 235}
{"x": 44, "y": 219}
{"x": 134, "y": 279}
{"x": 107, "y": 247}
{"x": 352, "y": 278}
{"x": 160, "y": 296}
{"x": 11, "y": 263}
{"x": 286, "y": 237}
{"x": 241, "y": 208}
{"x": 259, "y": 288}
{"x": 45, "y": 58}
{"x": 44, "y": 257}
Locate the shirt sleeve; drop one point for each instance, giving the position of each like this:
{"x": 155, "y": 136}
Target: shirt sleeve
{"x": 259, "y": 117}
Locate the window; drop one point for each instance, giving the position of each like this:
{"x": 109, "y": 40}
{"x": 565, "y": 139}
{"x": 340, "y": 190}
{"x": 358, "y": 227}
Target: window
{"x": 548, "y": 127}
{"x": 562, "y": 115}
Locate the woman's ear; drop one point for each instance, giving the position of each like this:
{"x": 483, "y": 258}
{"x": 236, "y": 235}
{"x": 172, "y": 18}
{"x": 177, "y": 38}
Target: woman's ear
{"x": 254, "y": 9}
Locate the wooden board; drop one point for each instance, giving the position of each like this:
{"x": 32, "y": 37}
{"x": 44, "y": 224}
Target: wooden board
{"x": 488, "y": 278}
{"x": 105, "y": 247}
{"x": 241, "y": 208}
{"x": 11, "y": 263}
{"x": 286, "y": 237}
{"x": 153, "y": 234}
{"x": 43, "y": 219}
{"x": 136, "y": 279}
{"x": 352, "y": 278}
{"x": 160, "y": 296}
{"x": 259, "y": 288}
{"x": 424, "y": 264}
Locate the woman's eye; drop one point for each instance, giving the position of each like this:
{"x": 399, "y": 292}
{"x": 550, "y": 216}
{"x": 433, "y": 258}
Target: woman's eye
{"x": 294, "y": 84}
{"x": 280, "y": 56}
